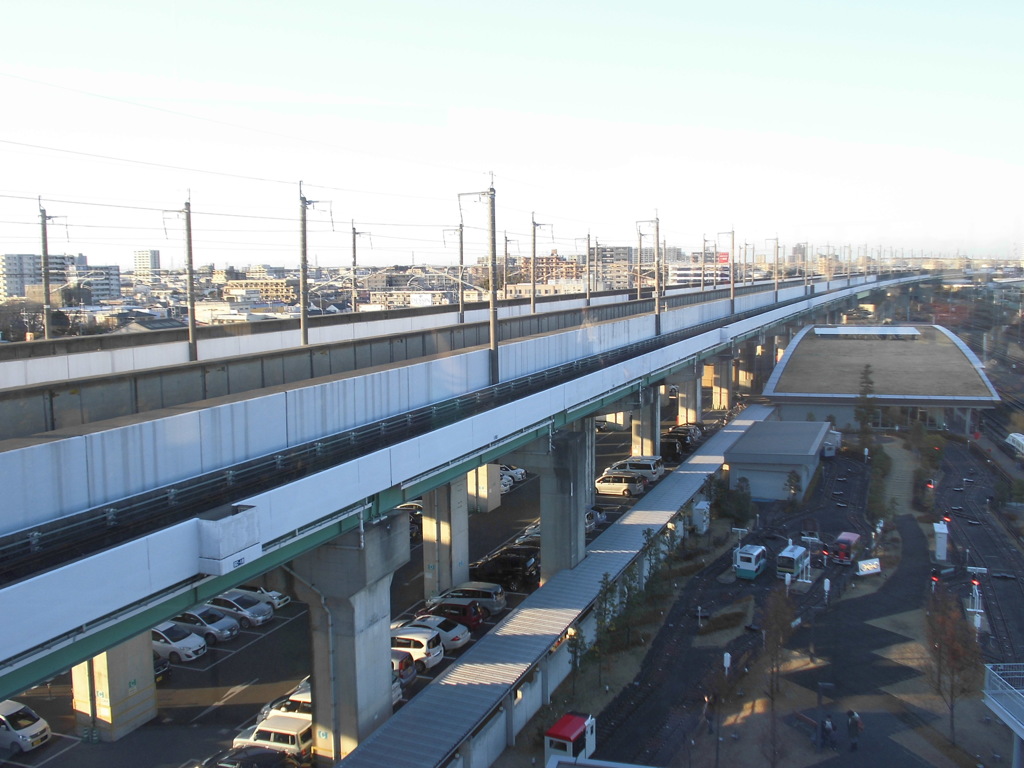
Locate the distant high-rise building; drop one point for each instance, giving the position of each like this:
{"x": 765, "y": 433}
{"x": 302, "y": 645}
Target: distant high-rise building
{"x": 18, "y": 270}
{"x": 147, "y": 264}
{"x": 104, "y": 282}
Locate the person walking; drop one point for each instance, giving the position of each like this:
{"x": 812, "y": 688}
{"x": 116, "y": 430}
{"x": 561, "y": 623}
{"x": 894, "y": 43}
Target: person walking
{"x": 853, "y": 728}
{"x": 830, "y": 740}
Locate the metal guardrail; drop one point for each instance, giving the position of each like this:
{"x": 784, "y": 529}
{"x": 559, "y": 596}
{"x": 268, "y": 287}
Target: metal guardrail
{"x": 1004, "y": 690}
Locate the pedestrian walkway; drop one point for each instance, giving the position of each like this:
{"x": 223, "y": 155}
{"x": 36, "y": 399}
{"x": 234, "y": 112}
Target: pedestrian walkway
{"x": 868, "y": 652}
{"x": 871, "y": 659}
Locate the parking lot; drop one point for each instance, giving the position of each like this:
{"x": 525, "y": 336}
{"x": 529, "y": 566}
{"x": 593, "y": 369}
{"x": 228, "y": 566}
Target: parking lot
{"x": 204, "y": 704}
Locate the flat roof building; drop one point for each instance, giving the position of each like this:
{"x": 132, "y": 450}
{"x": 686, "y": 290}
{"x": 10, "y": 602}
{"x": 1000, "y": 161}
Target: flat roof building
{"x": 918, "y": 372}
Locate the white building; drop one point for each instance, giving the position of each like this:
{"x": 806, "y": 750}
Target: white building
{"x": 18, "y": 270}
{"x": 147, "y": 264}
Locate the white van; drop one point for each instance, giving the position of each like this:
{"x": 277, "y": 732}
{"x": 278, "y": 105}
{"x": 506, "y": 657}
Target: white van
{"x": 423, "y": 644}
{"x": 282, "y": 732}
{"x": 651, "y": 467}
{"x": 21, "y": 729}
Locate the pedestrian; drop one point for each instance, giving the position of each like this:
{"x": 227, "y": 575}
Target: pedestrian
{"x": 830, "y": 739}
{"x": 853, "y": 728}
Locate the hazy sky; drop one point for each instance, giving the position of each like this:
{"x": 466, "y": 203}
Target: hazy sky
{"x": 894, "y": 124}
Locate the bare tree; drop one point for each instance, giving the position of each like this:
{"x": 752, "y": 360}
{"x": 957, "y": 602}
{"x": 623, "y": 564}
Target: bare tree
{"x": 777, "y": 626}
{"x": 955, "y": 659}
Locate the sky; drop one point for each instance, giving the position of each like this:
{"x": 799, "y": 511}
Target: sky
{"x": 862, "y": 124}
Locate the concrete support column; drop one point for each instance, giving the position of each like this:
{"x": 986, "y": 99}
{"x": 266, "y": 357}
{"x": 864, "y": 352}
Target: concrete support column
{"x": 1017, "y": 761}
{"x": 746, "y": 369}
{"x": 114, "y": 693}
{"x": 722, "y": 387}
{"x": 565, "y": 465}
{"x": 689, "y": 406}
{"x": 445, "y": 537}
{"x": 347, "y": 584}
{"x": 780, "y": 344}
{"x": 510, "y": 721}
{"x": 484, "y": 488}
{"x": 646, "y": 423}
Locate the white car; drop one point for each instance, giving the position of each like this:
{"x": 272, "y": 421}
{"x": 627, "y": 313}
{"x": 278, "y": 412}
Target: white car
{"x": 506, "y": 483}
{"x": 453, "y": 634}
{"x": 423, "y": 644}
{"x": 21, "y": 729}
{"x": 518, "y": 474}
{"x": 264, "y": 595}
{"x": 176, "y": 644}
{"x": 209, "y": 623}
{"x": 243, "y": 608}
{"x": 283, "y": 732}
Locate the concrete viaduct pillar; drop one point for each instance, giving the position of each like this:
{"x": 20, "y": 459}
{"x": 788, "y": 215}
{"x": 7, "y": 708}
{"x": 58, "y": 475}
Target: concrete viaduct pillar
{"x": 347, "y": 584}
{"x": 565, "y": 464}
{"x": 646, "y": 423}
{"x": 114, "y": 693}
{"x": 446, "y": 537}
{"x": 719, "y": 376}
{"x": 688, "y": 398}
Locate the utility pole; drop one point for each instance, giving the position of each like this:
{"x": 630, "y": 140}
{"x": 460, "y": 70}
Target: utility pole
{"x": 462, "y": 290}
{"x": 703, "y": 259}
{"x": 657, "y": 275}
{"x": 587, "y": 267}
{"x": 657, "y": 269}
{"x": 732, "y": 271}
{"x": 492, "y": 269}
{"x": 355, "y": 293}
{"x": 533, "y": 265}
{"x": 190, "y": 290}
{"x": 493, "y": 310}
{"x": 504, "y": 264}
{"x": 303, "y": 284}
{"x": 462, "y": 297}
{"x": 43, "y": 218}
{"x": 639, "y": 259}
{"x": 775, "y": 268}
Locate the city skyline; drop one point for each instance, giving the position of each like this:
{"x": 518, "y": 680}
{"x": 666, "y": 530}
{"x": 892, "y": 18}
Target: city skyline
{"x": 867, "y": 125}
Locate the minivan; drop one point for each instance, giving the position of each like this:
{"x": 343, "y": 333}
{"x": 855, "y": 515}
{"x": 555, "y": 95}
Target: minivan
{"x": 490, "y": 596}
{"x": 21, "y": 729}
{"x": 620, "y": 484}
{"x": 424, "y": 645}
{"x": 288, "y": 733}
{"x": 651, "y": 467}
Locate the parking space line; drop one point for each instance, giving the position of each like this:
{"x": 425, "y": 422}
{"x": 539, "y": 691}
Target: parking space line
{"x": 75, "y": 741}
{"x": 230, "y": 694}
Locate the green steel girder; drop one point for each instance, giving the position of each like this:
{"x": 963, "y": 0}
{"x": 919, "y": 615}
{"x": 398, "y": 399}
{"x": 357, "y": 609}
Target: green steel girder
{"x": 45, "y": 667}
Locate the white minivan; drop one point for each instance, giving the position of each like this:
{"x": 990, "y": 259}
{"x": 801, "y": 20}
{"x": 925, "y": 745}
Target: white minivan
{"x": 21, "y": 729}
{"x": 282, "y": 732}
{"x": 423, "y": 644}
{"x": 651, "y": 467}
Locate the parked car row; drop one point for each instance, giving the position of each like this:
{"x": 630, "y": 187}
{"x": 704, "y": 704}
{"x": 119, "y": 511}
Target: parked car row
{"x": 630, "y": 477}
{"x": 187, "y": 636}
